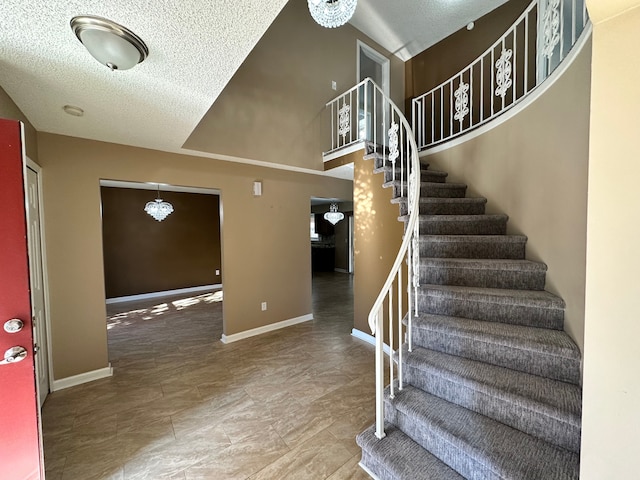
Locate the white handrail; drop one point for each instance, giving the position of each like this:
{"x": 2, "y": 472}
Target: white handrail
{"x": 503, "y": 71}
{"x": 382, "y": 125}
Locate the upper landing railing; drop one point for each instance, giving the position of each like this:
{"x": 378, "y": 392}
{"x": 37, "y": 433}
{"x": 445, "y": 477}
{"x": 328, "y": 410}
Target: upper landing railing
{"x": 520, "y": 60}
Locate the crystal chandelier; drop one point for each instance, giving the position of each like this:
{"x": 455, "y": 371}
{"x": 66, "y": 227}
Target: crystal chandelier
{"x": 158, "y": 209}
{"x": 332, "y": 13}
{"x": 333, "y": 215}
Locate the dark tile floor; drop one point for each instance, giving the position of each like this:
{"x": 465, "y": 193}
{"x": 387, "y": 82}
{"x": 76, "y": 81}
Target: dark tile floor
{"x": 182, "y": 405}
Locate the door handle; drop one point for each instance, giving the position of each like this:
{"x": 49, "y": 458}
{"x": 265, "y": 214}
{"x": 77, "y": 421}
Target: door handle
{"x": 13, "y": 326}
{"x": 14, "y": 355}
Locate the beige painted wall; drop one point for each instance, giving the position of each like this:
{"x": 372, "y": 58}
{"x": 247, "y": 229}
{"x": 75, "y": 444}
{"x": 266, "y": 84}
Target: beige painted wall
{"x": 8, "y": 109}
{"x": 611, "y": 396}
{"x": 534, "y": 169}
{"x": 265, "y": 240}
{"x": 377, "y": 237}
{"x": 273, "y": 109}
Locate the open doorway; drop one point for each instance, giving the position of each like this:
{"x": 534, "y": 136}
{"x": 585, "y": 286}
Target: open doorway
{"x": 331, "y": 243}
{"x": 156, "y": 268}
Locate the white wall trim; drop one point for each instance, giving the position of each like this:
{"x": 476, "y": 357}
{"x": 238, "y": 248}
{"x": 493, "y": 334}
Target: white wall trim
{"x": 43, "y": 254}
{"x": 529, "y": 99}
{"x": 166, "y": 293}
{"x": 369, "y": 472}
{"x": 81, "y": 378}
{"x": 354, "y": 147}
{"x": 267, "y": 328}
{"x": 365, "y": 337}
{"x": 341, "y": 270}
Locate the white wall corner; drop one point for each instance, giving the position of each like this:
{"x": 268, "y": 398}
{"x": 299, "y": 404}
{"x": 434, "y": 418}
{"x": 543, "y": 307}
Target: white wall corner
{"x": 81, "y": 378}
{"x": 365, "y": 337}
{"x": 267, "y": 328}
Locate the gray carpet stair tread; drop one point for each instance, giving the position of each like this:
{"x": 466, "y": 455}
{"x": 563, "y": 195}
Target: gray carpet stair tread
{"x": 539, "y": 351}
{"x": 476, "y": 446}
{"x": 473, "y": 246}
{"x": 401, "y": 458}
{"x": 473, "y": 238}
{"x": 428, "y": 185}
{"x": 462, "y": 218}
{"x": 450, "y": 200}
{"x": 543, "y": 407}
{"x": 484, "y": 264}
{"x": 534, "y": 298}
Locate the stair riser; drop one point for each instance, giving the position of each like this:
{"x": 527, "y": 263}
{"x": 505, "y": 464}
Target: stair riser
{"x": 481, "y": 309}
{"x": 460, "y": 249}
{"x": 527, "y": 361}
{"x": 374, "y": 466}
{"x": 458, "y": 208}
{"x": 475, "y": 208}
{"x": 471, "y": 465}
{"x": 434, "y": 190}
{"x": 468, "y": 277}
{"x": 425, "y": 176}
{"x": 479, "y": 226}
{"x": 517, "y": 415}
{"x": 440, "y": 447}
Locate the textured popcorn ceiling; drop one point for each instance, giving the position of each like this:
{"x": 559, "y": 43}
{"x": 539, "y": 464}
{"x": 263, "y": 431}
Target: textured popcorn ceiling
{"x": 407, "y": 27}
{"x": 195, "y": 48}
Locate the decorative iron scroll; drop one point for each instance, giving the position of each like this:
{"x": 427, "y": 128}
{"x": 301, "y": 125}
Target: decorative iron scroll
{"x": 503, "y": 73}
{"x": 393, "y": 142}
{"x": 462, "y": 101}
{"x": 344, "y": 120}
{"x": 551, "y": 27}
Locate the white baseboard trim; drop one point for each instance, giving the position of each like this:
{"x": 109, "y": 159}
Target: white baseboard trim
{"x": 365, "y": 337}
{"x": 267, "y": 328}
{"x": 369, "y": 472}
{"x": 166, "y": 293}
{"x": 340, "y": 270}
{"x": 81, "y": 378}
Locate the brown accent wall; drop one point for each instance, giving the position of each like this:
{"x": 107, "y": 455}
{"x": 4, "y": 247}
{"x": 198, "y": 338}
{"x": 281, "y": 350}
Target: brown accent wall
{"x": 142, "y": 255}
{"x": 534, "y": 168}
{"x": 273, "y": 109}
{"x": 377, "y": 237}
{"x": 439, "y": 62}
{"x": 8, "y": 109}
{"x": 265, "y": 240}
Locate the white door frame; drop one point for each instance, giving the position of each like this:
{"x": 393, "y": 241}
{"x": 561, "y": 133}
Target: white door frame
{"x": 45, "y": 278}
{"x": 376, "y": 57}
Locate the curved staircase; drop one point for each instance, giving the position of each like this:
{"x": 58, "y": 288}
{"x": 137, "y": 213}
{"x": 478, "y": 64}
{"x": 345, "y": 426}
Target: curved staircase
{"x": 492, "y": 382}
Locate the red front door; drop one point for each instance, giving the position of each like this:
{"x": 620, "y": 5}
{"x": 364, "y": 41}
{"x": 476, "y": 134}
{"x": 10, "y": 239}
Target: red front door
{"x": 19, "y": 431}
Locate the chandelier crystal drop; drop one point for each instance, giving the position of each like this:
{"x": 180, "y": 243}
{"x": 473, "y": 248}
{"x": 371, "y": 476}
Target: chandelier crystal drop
{"x": 333, "y": 215}
{"x": 332, "y": 13}
{"x": 158, "y": 209}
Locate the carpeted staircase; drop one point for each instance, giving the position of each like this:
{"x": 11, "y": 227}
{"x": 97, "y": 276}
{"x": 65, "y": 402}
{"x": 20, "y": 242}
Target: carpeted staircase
{"x": 492, "y": 386}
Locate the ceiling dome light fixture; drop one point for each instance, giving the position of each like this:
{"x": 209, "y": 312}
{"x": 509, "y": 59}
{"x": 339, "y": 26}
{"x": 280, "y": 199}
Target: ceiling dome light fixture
{"x": 73, "y": 110}
{"x": 333, "y": 215}
{"x": 332, "y": 13}
{"x": 111, "y": 44}
{"x": 158, "y": 209}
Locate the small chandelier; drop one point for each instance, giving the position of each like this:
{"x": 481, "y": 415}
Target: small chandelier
{"x": 158, "y": 209}
{"x": 333, "y": 215}
{"x": 111, "y": 44}
{"x": 332, "y": 13}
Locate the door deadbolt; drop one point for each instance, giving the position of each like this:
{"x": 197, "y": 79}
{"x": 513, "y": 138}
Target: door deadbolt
{"x": 13, "y": 326}
{"x": 14, "y": 355}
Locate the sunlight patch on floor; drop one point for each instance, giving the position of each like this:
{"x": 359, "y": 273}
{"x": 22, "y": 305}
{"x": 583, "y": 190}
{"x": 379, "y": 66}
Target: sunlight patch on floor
{"x": 151, "y": 313}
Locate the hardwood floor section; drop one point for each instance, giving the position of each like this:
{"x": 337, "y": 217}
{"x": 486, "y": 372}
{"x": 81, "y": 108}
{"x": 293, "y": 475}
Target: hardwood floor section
{"x": 182, "y": 405}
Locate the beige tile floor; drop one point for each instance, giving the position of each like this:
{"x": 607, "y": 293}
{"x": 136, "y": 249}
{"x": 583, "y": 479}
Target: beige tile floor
{"x": 182, "y": 405}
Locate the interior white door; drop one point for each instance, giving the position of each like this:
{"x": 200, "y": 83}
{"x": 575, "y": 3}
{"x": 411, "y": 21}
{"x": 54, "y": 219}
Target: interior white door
{"x": 37, "y": 285}
{"x": 372, "y": 64}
